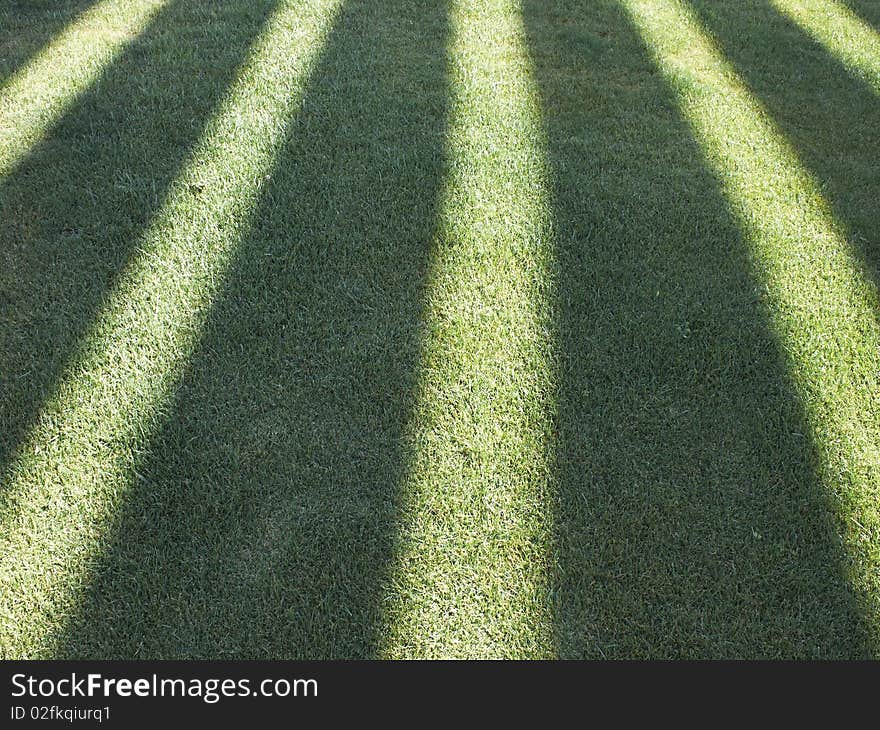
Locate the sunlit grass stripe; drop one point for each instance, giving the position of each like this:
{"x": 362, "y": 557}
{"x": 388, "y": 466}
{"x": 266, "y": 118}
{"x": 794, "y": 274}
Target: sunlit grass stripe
{"x": 822, "y": 304}
{"x": 470, "y": 578}
{"x": 60, "y": 494}
{"x": 846, "y": 36}
{"x": 36, "y": 96}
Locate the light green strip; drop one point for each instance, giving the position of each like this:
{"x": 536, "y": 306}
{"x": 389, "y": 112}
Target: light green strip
{"x": 470, "y": 578}
{"x": 35, "y": 97}
{"x": 65, "y": 485}
{"x": 845, "y": 35}
{"x": 823, "y": 306}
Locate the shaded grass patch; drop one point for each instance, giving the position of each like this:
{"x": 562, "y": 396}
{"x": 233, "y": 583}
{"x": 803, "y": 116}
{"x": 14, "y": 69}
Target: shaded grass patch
{"x": 72, "y": 210}
{"x": 27, "y": 26}
{"x": 829, "y": 114}
{"x": 262, "y": 515}
{"x": 690, "y": 520}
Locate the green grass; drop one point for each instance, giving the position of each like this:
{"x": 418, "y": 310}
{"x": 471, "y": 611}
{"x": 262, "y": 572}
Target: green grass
{"x": 426, "y": 329}
{"x": 39, "y": 92}
{"x": 28, "y": 25}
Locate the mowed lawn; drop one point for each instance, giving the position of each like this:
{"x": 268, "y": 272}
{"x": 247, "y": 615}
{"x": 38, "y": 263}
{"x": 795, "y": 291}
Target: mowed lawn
{"x": 439, "y": 328}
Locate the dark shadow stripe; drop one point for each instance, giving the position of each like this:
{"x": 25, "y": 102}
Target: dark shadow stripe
{"x": 829, "y": 115}
{"x": 690, "y": 521}
{"x": 262, "y": 521}
{"x": 867, "y": 10}
{"x": 28, "y": 26}
{"x": 77, "y": 205}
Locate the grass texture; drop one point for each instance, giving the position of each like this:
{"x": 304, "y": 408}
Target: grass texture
{"x": 416, "y": 329}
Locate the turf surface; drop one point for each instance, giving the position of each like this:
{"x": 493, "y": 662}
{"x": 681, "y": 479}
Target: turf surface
{"x": 351, "y": 328}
